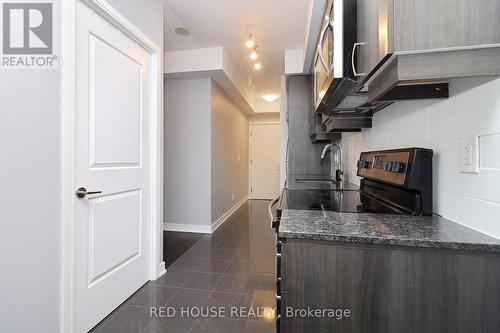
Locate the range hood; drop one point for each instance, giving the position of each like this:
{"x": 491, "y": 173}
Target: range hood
{"x": 347, "y": 124}
{"x": 412, "y": 75}
{"x": 426, "y": 74}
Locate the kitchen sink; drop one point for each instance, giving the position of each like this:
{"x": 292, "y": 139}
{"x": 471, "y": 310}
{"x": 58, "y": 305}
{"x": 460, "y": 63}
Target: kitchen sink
{"x": 317, "y": 180}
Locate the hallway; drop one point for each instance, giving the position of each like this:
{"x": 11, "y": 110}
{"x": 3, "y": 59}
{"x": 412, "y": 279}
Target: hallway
{"x": 231, "y": 269}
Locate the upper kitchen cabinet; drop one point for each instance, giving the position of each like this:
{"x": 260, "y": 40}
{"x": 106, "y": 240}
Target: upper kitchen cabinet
{"x": 434, "y": 24}
{"x": 410, "y": 49}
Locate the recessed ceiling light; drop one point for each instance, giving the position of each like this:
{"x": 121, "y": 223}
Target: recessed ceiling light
{"x": 250, "y": 43}
{"x": 182, "y": 31}
{"x": 253, "y": 55}
{"x": 270, "y": 97}
{"x": 257, "y": 66}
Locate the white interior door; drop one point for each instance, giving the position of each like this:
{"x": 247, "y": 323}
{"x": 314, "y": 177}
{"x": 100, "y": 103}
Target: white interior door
{"x": 111, "y": 232}
{"x": 264, "y": 161}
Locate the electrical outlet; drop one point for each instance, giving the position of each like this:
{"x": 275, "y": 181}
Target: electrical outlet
{"x": 469, "y": 154}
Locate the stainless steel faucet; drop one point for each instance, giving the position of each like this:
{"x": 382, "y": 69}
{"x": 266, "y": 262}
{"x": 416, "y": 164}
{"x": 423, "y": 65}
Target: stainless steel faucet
{"x": 335, "y": 173}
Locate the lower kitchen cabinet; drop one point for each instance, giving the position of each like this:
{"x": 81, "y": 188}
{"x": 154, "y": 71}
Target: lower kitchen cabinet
{"x": 377, "y": 288}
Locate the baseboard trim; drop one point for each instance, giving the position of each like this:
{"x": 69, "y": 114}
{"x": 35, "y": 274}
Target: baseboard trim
{"x": 204, "y": 229}
{"x": 195, "y": 228}
{"x": 227, "y": 214}
{"x": 161, "y": 270}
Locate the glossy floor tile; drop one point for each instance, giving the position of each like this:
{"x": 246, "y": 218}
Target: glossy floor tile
{"x": 175, "y": 244}
{"x": 223, "y": 283}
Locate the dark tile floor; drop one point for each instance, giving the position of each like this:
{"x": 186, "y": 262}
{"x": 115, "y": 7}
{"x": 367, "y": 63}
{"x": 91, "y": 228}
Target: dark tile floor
{"x": 231, "y": 269}
{"x": 175, "y": 244}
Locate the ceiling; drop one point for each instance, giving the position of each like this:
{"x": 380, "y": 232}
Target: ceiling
{"x": 276, "y": 25}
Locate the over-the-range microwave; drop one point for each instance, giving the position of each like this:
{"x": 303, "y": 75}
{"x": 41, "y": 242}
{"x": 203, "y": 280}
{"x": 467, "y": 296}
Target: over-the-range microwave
{"x": 334, "y": 66}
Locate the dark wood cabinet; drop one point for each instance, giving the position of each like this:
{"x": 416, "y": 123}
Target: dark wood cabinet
{"x": 389, "y": 289}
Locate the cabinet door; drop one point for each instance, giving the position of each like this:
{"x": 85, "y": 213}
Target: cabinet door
{"x": 430, "y": 24}
{"x": 373, "y": 33}
{"x": 390, "y": 289}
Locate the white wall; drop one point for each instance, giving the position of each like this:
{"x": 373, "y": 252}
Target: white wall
{"x": 264, "y": 117}
{"x": 187, "y": 153}
{"x": 229, "y": 153}
{"x": 30, "y": 165}
{"x": 147, "y": 15}
{"x": 472, "y": 109}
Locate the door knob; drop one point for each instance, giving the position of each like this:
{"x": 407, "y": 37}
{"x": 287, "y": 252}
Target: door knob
{"x": 82, "y": 192}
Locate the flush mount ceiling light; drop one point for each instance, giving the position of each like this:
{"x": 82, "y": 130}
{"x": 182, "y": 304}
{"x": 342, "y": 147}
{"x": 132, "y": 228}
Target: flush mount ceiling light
{"x": 255, "y": 53}
{"x": 182, "y": 31}
{"x": 257, "y": 66}
{"x": 250, "y": 43}
{"x": 270, "y": 97}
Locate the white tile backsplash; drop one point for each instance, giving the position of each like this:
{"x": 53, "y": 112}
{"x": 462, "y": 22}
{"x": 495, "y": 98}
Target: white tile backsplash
{"x": 489, "y": 156}
{"x": 472, "y": 109}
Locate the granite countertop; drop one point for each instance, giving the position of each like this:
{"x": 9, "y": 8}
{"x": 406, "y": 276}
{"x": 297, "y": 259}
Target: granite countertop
{"x": 397, "y": 230}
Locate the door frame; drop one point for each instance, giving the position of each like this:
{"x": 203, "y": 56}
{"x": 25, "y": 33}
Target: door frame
{"x": 68, "y": 106}
{"x": 250, "y": 125}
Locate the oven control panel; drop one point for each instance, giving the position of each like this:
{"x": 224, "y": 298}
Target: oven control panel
{"x": 389, "y": 166}
{"x": 401, "y": 175}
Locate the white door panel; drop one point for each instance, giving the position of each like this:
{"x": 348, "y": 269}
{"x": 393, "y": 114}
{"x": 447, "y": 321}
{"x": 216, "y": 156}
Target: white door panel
{"x": 116, "y": 216}
{"x": 265, "y": 161}
{"x": 113, "y": 90}
{"x": 116, "y": 96}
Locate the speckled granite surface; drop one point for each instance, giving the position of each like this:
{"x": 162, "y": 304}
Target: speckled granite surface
{"x": 399, "y": 230}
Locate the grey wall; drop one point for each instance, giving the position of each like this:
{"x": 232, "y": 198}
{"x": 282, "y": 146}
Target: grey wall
{"x": 206, "y": 154}
{"x": 187, "y": 152}
{"x": 303, "y": 156}
{"x": 283, "y": 117}
{"x": 30, "y": 165}
{"x": 229, "y": 153}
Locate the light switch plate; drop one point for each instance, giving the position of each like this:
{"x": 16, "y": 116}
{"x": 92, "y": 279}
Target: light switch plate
{"x": 469, "y": 154}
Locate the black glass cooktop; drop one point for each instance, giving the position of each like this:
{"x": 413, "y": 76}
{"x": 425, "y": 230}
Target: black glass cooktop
{"x": 333, "y": 200}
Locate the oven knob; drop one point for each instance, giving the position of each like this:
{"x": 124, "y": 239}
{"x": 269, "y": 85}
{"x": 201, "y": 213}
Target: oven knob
{"x": 363, "y": 164}
{"x": 398, "y": 167}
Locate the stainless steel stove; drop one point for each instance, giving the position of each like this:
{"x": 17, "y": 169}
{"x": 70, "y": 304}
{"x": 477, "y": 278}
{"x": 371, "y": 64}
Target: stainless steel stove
{"x": 347, "y": 201}
{"x": 395, "y": 181}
